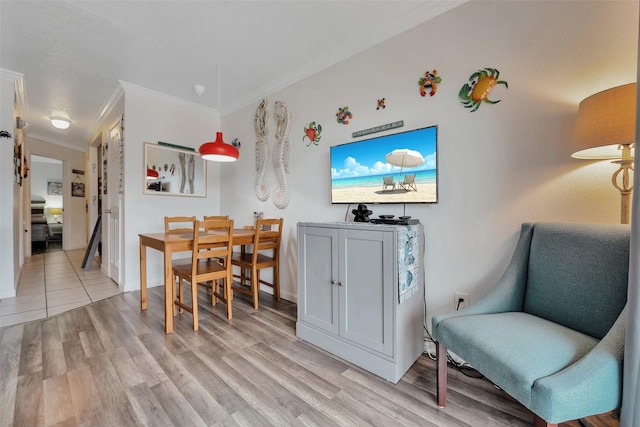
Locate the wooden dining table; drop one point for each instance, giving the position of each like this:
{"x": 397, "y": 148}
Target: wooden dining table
{"x": 168, "y": 243}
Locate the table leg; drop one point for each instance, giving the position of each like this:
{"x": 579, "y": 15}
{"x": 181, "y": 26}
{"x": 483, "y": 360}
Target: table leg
{"x": 168, "y": 291}
{"x": 143, "y": 276}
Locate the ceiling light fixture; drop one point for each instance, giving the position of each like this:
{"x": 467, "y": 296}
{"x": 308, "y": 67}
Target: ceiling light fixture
{"x": 60, "y": 119}
{"x": 60, "y": 122}
{"x": 218, "y": 150}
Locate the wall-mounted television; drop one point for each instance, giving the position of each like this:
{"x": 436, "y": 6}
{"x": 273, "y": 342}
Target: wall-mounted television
{"x": 396, "y": 168}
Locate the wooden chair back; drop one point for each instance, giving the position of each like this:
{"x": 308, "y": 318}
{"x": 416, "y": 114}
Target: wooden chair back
{"x": 216, "y": 218}
{"x": 267, "y": 237}
{"x": 208, "y": 245}
{"x": 179, "y": 224}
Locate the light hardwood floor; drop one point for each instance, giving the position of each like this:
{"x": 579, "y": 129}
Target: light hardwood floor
{"x": 109, "y": 364}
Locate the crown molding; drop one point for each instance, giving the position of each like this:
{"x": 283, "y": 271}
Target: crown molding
{"x": 18, "y": 81}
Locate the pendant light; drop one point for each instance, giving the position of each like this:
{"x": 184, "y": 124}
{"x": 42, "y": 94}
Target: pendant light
{"x": 152, "y": 174}
{"x": 218, "y": 150}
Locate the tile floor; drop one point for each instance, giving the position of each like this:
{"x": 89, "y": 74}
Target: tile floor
{"x": 52, "y": 283}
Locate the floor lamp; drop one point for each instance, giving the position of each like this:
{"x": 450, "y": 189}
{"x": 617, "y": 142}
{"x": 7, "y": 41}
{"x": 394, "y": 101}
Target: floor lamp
{"x": 606, "y": 129}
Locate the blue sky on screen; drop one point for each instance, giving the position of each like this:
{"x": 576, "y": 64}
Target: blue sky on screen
{"x": 367, "y": 157}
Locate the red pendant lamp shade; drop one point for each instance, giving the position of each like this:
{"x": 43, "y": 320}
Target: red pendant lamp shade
{"x": 219, "y": 151}
{"x": 152, "y": 174}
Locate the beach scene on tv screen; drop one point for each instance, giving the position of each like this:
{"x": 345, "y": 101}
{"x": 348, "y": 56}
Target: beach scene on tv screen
{"x": 398, "y": 168}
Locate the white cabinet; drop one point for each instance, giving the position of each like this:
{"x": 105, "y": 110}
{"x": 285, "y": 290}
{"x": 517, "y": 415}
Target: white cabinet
{"x": 360, "y": 293}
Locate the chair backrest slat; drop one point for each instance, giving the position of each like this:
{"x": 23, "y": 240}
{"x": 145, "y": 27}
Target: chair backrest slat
{"x": 179, "y": 224}
{"x": 216, "y": 217}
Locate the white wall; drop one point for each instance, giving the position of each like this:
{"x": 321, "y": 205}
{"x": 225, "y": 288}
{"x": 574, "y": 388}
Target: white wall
{"x": 10, "y": 195}
{"x": 498, "y": 167}
{"x": 153, "y": 117}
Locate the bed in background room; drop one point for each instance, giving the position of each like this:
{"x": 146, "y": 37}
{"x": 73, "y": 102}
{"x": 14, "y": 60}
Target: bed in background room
{"x": 39, "y": 228}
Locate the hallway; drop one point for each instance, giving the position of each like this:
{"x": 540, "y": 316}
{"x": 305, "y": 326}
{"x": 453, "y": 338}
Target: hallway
{"x": 52, "y": 283}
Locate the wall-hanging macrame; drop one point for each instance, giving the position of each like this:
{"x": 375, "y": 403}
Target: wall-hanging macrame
{"x": 281, "y": 153}
{"x": 262, "y": 151}
{"x": 480, "y": 85}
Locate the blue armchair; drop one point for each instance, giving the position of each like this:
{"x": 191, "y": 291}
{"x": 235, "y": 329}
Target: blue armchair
{"x": 551, "y": 332}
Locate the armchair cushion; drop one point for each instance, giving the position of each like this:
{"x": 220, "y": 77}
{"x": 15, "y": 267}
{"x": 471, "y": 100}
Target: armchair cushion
{"x": 516, "y": 368}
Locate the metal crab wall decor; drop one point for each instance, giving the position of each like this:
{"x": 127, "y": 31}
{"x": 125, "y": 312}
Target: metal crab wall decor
{"x": 312, "y": 131}
{"x": 431, "y": 80}
{"x": 343, "y": 115}
{"x": 480, "y": 85}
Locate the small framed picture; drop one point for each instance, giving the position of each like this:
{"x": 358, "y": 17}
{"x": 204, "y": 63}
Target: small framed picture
{"x": 77, "y": 189}
{"x": 54, "y": 186}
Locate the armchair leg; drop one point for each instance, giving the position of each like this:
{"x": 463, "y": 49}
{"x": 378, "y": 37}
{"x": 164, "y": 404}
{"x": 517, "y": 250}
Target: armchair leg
{"x": 441, "y": 374}
{"x": 539, "y": 422}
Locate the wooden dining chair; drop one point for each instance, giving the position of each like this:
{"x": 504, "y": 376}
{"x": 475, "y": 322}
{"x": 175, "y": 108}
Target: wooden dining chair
{"x": 179, "y": 224}
{"x": 212, "y": 247}
{"x": 216, "y": 217}
{"x": 265, "y": 254}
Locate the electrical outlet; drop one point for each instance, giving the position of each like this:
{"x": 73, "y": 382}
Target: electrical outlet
{"x": 461, "y": 300}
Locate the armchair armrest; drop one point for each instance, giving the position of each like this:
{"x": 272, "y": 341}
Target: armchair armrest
{"x": 598, "y": 375}
{"x": 508, "y": 294}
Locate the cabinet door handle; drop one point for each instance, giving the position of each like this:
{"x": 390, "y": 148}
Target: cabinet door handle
{"x": 340, "y": 283}
{"x": 333, "y": 282}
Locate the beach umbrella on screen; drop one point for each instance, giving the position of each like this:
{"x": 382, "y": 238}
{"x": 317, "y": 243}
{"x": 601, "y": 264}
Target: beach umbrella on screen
{"x": 404, "y": 158}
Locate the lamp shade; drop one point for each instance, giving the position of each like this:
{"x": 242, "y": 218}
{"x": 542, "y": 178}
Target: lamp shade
{"x": 606, "y": 122}
{"x": 218, "y": 150}
{"x": 152, "y": 174}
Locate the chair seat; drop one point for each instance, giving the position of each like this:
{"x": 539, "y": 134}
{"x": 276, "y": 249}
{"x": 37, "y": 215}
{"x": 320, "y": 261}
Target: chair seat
{"x": 247, "y": 259}
{"x": 481, "y": 338}
{"x": 204, "y": 267}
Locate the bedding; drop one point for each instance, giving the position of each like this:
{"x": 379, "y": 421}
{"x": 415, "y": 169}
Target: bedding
{"x": 40, "y": 231}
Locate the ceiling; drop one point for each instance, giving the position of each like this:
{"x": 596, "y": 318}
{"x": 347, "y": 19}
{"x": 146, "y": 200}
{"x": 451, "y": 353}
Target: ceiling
{"x": 72, "y": 54}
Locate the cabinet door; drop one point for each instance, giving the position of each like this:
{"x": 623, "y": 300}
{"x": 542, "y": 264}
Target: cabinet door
{"x": 318, "y": 264}
{"x": 366, "y": 311}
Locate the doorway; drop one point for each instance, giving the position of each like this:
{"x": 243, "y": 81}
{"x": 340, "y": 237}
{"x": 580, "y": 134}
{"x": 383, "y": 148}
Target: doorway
{"x": 46, "y": 204}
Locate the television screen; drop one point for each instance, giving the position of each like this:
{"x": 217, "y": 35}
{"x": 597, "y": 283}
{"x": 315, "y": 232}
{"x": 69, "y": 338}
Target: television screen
{"x": 397, "y": 168}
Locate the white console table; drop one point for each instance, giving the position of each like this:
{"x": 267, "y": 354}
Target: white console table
{"x": 361, "y": 293}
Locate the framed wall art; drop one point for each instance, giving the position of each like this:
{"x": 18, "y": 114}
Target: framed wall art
{"x": 54, "y": 187}
{"x": 77, "y": 189}
{"x": 17, "y": 162}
